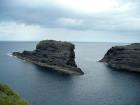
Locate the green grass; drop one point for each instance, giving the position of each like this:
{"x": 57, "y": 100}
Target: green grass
{"x": 10, "y": 97}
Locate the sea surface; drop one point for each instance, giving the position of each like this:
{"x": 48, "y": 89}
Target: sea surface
{"x": 99, "y": 85}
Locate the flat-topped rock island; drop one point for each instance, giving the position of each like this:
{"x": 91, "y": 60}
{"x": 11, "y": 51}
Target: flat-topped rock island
{"x": 56, "y": 55}
{"x": 124, "y": 57}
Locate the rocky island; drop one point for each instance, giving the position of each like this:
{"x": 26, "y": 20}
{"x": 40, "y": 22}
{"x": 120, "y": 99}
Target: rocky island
{"x": 56, "y": 55}
{"x": 124, "y": 57}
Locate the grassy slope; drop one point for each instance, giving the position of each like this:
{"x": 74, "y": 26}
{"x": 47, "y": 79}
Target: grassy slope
{"x": 9, "y": 96}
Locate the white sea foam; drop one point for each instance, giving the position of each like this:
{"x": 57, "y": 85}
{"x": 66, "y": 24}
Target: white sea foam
{"x": 9, "y": 54}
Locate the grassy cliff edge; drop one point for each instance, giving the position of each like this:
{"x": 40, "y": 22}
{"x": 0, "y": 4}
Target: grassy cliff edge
{"x": 10, "y": 97}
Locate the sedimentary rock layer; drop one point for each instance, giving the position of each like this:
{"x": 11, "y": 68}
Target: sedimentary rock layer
{"x": 124, "y": 57}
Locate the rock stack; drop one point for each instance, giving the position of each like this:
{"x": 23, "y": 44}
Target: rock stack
{"x": 56, "y": 55}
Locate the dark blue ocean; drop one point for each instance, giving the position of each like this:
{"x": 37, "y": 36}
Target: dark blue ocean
{"x": 99, "y": 85}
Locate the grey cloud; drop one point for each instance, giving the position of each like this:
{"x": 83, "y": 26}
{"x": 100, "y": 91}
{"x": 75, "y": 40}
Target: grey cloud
{"x": 50, "y": 15}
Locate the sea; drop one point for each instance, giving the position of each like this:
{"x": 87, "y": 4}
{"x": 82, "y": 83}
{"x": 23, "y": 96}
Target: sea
{"x": 100, "y": 85}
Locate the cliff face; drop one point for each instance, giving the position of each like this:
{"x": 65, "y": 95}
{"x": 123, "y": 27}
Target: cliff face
{"x": 124, "y": 57}
{"x": 53, "y": 54}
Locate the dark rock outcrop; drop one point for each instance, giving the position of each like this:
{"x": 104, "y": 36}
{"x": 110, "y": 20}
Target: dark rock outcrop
{"x": 124, "y": 57}
{"x": 52, "y": 54}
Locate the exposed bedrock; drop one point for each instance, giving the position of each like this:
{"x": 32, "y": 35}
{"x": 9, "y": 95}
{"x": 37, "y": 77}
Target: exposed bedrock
{"x": 57, "y": 55}
{"x": 124, "y": 57}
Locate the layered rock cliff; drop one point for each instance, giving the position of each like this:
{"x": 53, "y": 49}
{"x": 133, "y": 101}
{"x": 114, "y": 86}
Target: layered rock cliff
{"x": 124, "y": 57}
{"x": 57, "y": 55}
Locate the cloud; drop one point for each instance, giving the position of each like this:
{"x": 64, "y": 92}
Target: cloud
{"x": 123, "y": 16}
{"x": 23, "y": 32}
{"x": 70, "y": 22}
{"x": 43, "y": 16}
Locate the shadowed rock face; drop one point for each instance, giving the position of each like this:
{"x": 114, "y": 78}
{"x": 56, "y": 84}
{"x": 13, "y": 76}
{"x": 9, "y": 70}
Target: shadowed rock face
{"x": 53, "y": 54}
{"x": 124, "y": 57}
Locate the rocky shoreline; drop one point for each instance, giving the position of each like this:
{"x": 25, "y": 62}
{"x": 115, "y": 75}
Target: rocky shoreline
{"x": 123, "y": 57}
{"x": 56, "y": 55}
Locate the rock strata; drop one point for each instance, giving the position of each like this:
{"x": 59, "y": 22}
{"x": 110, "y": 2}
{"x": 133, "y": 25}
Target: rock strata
{"x": 124, "y": 57}
{"x": 56, "y": 55}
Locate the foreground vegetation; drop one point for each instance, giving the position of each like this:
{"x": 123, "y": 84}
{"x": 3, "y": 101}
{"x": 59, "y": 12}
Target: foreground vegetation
{"x": 9, "y": 97}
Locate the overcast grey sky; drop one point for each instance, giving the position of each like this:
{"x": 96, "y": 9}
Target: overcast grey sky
{"x": 70, "y": 20}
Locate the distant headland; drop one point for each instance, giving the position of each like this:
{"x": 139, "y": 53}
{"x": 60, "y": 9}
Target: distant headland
{"x": 124, "y": 57}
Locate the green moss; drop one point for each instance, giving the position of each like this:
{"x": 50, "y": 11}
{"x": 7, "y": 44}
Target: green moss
{"x": 9, "y": 97}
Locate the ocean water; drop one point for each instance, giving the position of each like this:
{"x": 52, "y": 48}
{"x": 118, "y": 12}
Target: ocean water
{"x": 99, "y": 85}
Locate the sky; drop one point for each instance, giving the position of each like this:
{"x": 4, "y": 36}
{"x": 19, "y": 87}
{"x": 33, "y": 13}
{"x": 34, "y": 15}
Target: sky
{"x": 70, "y": 20}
